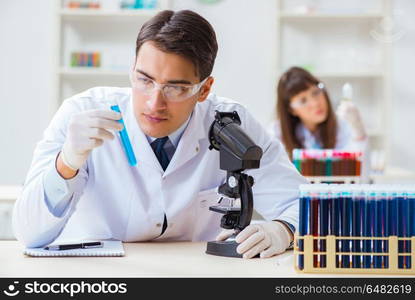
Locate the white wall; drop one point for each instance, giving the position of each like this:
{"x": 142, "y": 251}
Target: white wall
{"x": 244, "y": 71}
{"x": 402, "y": 137}
{"x": 245, "y": 65}
{"x": 25, "y": 82}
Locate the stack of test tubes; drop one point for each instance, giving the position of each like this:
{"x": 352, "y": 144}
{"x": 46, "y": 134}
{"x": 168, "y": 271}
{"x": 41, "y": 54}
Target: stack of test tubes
{"x": 327, "y": 162}
{"x": 84, "y": 59}
{"x": 356, "y": 228}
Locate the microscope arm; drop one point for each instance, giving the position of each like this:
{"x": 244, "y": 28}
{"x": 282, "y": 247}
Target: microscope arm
{"x": 247, "y": 201}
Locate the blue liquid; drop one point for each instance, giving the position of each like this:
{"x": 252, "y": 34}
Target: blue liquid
{"x": 393, "y": 216}
{"x": 314, "y": 208}
{"x": 302, "y": 230}
{"x": 385, "y": 227}
{"x": 334, "y": 220}
{"x": 346, "y": 214}
{"x": 402, "y": 231}
{"x": 411, "y": 200}
{"x": 356, "y": 231}
{"x": 125, "y": 140}
{"x": 377, "y": 228}
{"x": 324, "y": 229}
{"x": 367, "y": 232}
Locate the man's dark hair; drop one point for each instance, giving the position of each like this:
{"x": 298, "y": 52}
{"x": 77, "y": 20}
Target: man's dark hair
{"x": 184, "y": 33}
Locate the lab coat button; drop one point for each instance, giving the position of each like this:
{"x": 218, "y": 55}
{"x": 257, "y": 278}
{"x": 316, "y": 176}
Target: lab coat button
{"x": 158, "y": 224}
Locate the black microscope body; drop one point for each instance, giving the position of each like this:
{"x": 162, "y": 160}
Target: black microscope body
{"x": 237, "y": 153}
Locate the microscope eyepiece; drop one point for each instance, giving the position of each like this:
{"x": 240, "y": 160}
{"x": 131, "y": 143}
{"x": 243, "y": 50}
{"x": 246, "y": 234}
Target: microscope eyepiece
{"x": 238, "y": 150}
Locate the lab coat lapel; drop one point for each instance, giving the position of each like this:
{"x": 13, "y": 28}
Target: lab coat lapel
{"x": 142, "y": 149}
{"x": 189, "y": 146}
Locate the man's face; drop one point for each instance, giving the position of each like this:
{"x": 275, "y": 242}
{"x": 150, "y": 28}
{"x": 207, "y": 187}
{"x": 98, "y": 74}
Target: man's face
{"x": 156, "y": 116}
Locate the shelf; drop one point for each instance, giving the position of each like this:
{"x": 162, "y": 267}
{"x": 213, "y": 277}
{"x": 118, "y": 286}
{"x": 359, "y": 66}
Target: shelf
{"x": 329, "y": 38}
{"x": 87, "y": 30}
{"x": 349, "y": 74}
{"x": 285, "y": 16}
{"x": 374, "y": 133}
{"x": 89, "y": 72}
{"x": 395, "y": 175}
{"x": 96, "y": 14}
{"x": 9, "y": 193}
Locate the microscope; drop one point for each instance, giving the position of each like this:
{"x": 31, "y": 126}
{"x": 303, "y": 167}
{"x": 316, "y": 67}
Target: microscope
{"x": 237, "y": 152}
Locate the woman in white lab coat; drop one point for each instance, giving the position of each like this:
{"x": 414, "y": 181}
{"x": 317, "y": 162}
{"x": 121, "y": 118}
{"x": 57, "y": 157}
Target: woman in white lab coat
{"x": 305, "y": 117}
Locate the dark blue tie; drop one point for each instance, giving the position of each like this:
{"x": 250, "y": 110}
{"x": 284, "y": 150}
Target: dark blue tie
{"x": 158, "y": 148}
{"x": 163, "y": 158}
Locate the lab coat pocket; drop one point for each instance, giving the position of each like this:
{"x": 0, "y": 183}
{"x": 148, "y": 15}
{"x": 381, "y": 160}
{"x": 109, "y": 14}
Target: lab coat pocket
{"x": 206, "y": 222}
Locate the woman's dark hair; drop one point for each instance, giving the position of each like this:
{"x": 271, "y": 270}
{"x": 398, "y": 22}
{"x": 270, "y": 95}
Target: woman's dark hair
{"x": 292, "y": 82}
{"x": 184, "y": 33}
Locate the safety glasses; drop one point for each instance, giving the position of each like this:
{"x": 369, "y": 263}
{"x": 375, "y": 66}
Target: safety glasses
{"x": 300, "y": 102}
{"x": 171, "y": 92}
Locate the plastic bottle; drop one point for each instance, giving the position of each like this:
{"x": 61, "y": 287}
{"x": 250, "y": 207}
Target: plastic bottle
{"x": 347, "y": 92}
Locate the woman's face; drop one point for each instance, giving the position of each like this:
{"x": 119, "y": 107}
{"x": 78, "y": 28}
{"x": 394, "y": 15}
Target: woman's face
{"x": 310, "y": 106}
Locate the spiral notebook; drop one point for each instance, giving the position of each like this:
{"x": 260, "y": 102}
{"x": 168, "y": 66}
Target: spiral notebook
{"x": 110, "y": 248}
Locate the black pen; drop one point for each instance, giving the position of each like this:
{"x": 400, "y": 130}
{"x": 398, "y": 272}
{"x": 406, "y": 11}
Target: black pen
{"x": 75, "y": 246}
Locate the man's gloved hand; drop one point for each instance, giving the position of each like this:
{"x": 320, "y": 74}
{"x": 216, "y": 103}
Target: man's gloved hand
{"x": 267, "y": 239}
{"x": 349, "y": 112}
{"x": 86, "y": 131}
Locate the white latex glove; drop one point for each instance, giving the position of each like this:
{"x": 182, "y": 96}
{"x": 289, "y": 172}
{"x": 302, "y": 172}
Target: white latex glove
{"x": 86, "y": 131}
{"x": 349, "y": 112}
{"x": 267, "y": 239}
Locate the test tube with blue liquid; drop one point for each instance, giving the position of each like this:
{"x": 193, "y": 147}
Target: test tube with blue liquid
{"x": 367, "y": 230}
{"x": 392, "y": 204}
{"x": 303, "y": 228}
{"x": 324, "y": 224}
{"x": 411, "y": 200}
{"x": 125, "y": 140}
{"x": 384, "y": 195}
{"x": 334, "y": 217}
{"x": 357, "y": 200}
{"x": 314, "y": 222}
{"x": 346, "y": 214}
{"x": 403, "y": 210}
{"x": 376, "y": 199}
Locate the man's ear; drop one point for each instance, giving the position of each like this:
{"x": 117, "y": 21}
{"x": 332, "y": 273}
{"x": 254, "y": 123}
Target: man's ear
{"x": 205, "y": 89}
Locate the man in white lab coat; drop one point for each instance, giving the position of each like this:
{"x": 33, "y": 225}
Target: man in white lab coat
{"x": 81, "y": 186}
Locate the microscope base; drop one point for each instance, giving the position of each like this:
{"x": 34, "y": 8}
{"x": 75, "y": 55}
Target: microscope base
{"x": 223, "y": 248}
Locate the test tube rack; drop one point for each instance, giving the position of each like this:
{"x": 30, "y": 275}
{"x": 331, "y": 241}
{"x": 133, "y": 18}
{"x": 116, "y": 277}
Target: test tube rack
{"x": 334, "y": 179}
{"x": 333, "y": 257}
{"x": 327, "y": 162}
